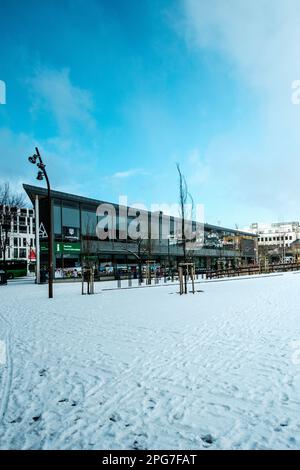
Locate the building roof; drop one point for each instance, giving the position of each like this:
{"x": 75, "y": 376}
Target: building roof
{"x": 34, "y": 191}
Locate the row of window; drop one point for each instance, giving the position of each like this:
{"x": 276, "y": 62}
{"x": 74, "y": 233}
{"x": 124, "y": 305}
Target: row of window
{"x": 66, "y": 216}
{"x": 23, "y": 242}
{"x": 22, "y": 220}
{"x": 275, "y": 239}
{"x": 84, "y": 219}
{"x": 23, "y": 229}
{"x": 27, "y": 211}
{"x": 16, "y": 253}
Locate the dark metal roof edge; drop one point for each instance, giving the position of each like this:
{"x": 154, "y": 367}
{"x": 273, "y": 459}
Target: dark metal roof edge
{"x": 60, "y": 195}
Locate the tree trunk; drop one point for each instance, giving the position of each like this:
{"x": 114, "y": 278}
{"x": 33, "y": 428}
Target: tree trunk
{"x": 140, "y": 271}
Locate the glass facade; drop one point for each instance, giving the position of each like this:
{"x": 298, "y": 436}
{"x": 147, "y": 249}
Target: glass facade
{"x": 74, "y": 237}
{"x": 57, "y": 220}
{"x": 88, "y": 222}
{"x": 77, "y": 223}
{"x": 70, "y": 215}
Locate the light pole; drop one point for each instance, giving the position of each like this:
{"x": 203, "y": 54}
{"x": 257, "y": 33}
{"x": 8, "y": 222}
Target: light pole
{"x": 36, "y": 159}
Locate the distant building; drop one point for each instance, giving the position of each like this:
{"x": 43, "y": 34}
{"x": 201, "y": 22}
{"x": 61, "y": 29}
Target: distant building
{"x": 276, "y": 240}
{"x": 21, "y": 245}
{"x": 276, "y": 234}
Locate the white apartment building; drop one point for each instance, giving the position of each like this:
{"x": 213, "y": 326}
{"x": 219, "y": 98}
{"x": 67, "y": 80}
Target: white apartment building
{"x": 22, "y": 236}
{"x": 276, "y": 235}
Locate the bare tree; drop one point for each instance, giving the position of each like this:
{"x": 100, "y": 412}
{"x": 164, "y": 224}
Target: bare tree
{"x": 90, "y": 249}
{"x": 10, "y": 202}
{"x": 142, "y": 251}
{"x": 183, "y": 194}
{"x": 88, "y": 256}
{"x": 185, "y": 214}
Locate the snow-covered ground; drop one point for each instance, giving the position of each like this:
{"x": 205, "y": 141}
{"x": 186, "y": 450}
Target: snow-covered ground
{"x": 148, "y": 369}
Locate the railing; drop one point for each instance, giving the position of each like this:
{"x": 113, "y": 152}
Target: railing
{"x": 252, "y": 270}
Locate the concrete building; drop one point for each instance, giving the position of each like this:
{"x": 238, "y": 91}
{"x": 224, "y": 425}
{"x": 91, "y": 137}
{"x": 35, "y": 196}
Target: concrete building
{"x": 275, "y": 234}
{"x": 21, "y": 243}
{"x": 276, "y": 240}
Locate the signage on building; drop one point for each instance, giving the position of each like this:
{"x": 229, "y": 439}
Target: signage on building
{"x": 71, "y": 233}
{"x": 42, "y": 231}
{"x": 63, "y": 248}
{"x": 32, "y": 255}
{"x": 43, "y": 247}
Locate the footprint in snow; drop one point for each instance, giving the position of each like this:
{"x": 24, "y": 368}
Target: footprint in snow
{"x": 152, "y": 404}
{"x": 115, "y": 418}
{"x": 208, "y": 439}
{"x": 285, "y": 423}
{"x": 285, "y": 398}
{"x": 17, "y": 420}
{"x": 178, "y": 416}
{"x": 137, "y": 446}
{"x": 36, "y": 418}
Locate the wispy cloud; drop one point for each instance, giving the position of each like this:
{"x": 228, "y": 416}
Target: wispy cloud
{"x": 259, "y": 40}
{"x": 74, "y": 146}
{"x": 71, "y": 106}
{"x": 129, "y": 173}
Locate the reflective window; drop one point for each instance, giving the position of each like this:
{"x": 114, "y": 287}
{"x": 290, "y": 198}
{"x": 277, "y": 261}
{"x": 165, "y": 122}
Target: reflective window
{"x": 70, "y": 222}
{"x": 88, "y": 222}
{"x": 57, "y": 220}
{"x": 70, "y": 216}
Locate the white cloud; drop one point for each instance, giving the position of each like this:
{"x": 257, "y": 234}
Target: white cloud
{"x": 68, "y": 163}
{"x": 71, "y": 163}
{"x": 71, "y": 106}
{"x": 259, "y": 37}
{"x": 14, "y": 151}
{"x": 129, "y": 173}
{"x": 259, "y": 40}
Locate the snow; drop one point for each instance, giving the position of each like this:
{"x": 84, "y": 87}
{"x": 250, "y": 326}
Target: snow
{"x": 146, "y": 368}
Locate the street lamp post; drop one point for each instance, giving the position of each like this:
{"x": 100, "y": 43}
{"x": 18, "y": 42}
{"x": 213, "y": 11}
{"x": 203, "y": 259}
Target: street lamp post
{"x": 37, "y": 159}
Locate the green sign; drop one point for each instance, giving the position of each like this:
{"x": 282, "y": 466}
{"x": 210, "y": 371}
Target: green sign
{"x": 62, "y": 247}
{"x": 44, "y": 247}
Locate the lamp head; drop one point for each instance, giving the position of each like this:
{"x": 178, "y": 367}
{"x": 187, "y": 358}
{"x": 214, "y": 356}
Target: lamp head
{"x": 32, "y": 159}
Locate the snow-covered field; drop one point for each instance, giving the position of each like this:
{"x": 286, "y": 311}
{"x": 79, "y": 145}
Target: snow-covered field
{"x": 149, "y": 369}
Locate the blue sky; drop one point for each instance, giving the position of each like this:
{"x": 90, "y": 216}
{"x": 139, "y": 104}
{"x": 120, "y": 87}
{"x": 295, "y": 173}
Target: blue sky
{"x": 115, "y": 92}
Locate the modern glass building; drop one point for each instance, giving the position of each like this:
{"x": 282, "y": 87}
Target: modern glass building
{"x": 75, "y": 221}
